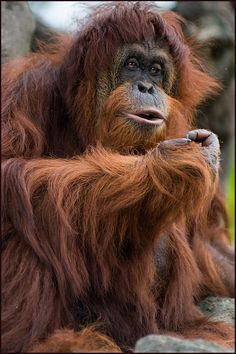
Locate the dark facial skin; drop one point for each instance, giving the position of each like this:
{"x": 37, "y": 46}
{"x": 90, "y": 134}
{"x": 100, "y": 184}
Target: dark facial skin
{"x": 149, "y": 69}
{"x": 149, "y": 64}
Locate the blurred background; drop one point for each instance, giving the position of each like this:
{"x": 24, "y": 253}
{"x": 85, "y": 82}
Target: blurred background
{"x": 211, "y": 22}
{"x": 63, "y": 15}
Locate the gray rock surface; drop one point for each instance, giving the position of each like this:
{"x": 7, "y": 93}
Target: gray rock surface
{"x": 168, "y": 344}
{"x": 18, "y": 25}
{"x": 220, "y": 309}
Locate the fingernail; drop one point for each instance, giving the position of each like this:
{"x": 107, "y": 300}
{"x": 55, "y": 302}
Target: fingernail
{"x": 178, "y": 141}
{"x": 183, "y": 140}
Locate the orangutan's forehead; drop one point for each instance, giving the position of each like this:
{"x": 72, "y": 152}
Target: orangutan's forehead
{"x": 146, "y": 48}
{"x": 153, "y": 44}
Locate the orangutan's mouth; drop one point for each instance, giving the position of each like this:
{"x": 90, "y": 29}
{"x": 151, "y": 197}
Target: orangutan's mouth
{"x": 147, "y": 116}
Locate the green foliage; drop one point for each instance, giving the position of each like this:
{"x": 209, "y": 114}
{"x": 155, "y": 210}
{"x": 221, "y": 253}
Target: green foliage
{"x": 231, "y": 198}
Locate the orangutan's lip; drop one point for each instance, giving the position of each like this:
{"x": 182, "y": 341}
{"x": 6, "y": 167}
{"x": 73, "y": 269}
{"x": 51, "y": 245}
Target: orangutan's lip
{"x": 147, "y": 116}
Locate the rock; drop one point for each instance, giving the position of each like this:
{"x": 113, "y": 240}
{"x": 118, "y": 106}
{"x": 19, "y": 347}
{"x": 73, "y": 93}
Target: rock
{"x": 168, "y": 344}
{"x": 220, "y": 309}
{"x": 18, "y": 25}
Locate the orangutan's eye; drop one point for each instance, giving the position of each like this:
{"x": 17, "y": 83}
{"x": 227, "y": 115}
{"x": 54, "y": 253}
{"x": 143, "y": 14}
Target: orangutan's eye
{"x": 132, "y": 64}
{"x": 155, "y": 69}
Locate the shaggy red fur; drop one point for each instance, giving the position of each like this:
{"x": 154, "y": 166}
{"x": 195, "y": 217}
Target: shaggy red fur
{"x": 91, "y": 233}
